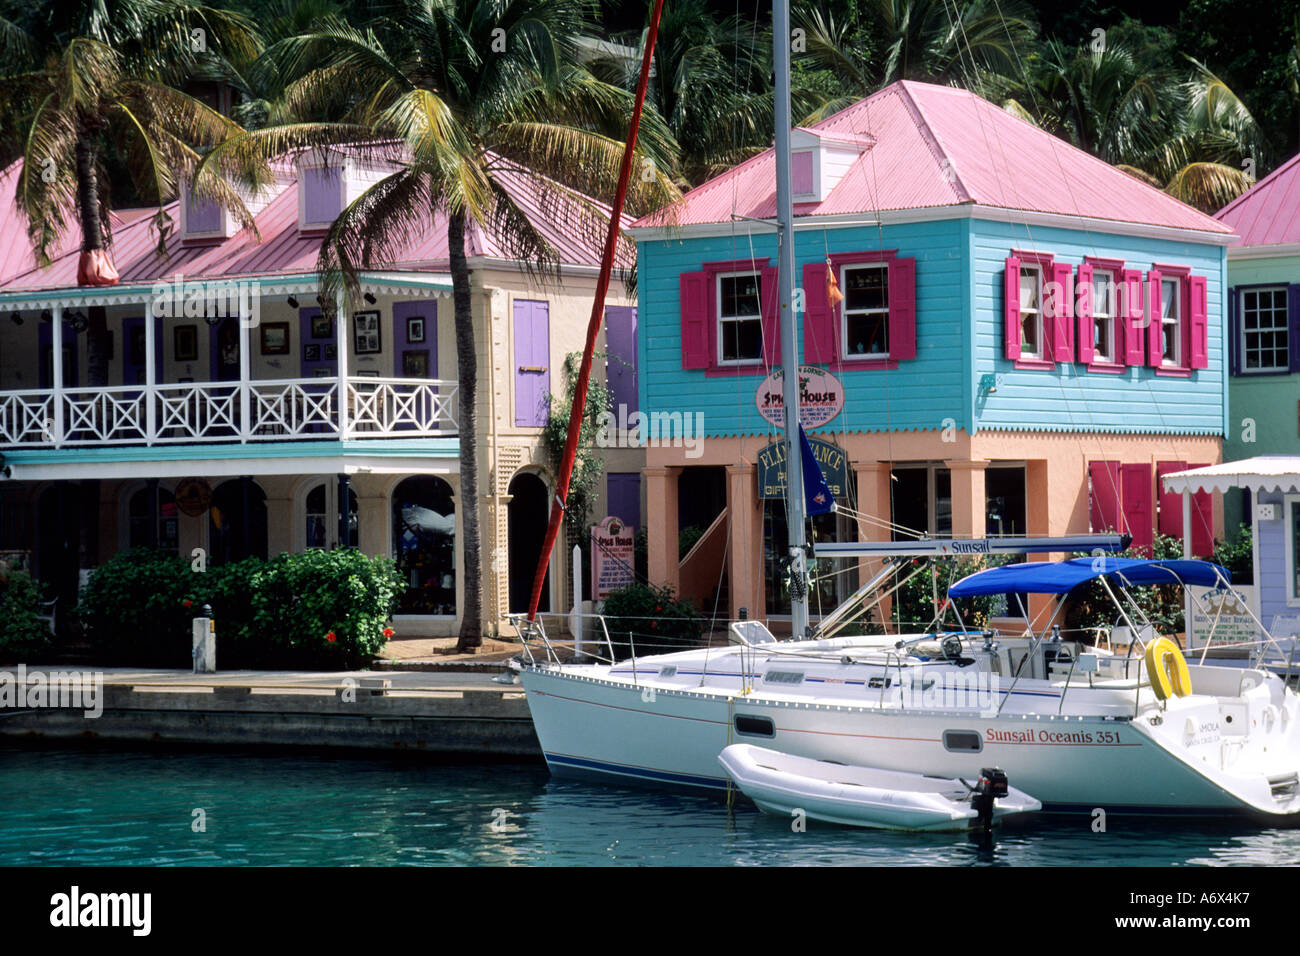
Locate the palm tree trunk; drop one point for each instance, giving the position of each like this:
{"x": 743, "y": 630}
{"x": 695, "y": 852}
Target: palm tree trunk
{"x": 92, "y": 237}
{"x": 471, "y": 627}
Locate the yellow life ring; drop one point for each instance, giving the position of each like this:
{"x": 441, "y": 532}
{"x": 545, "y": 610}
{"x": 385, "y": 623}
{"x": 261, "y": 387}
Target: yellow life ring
{"x": 1167, "y": 669}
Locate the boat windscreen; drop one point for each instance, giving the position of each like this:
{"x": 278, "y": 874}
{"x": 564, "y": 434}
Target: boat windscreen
{"x": 1061, "y": 577}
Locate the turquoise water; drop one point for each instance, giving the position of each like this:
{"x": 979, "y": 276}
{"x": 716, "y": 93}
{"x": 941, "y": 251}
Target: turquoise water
{"x": 90, "y": 807}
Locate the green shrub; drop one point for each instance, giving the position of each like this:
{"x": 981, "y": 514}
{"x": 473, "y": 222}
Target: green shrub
{"x": 1237, "y": 556}
{"x": 686, "y": 539}
{"x": 1089, "y": 606}
{"x": 22, "y": 635}
{"x": 914, "y": 606}
{"x": 317, "y": 610}
{"x": 650, "y": 619}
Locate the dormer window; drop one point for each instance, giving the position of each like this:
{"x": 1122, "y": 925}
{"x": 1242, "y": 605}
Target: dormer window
{"x": 322, "y": 196}
{"x": 820, "y": 159}
{"x": 202, "y": 218}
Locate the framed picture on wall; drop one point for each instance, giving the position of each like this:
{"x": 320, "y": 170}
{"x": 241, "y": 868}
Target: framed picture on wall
{"x": 415, "y": 329}
{"x": 275, "y": 338}
{"x": 368, "y": 373}
{"x": 322, "y": 327}
{"x": 365, "y": 333}
{"x": 311, "y": 353}
{"x": 415, "y": 363}
{"x": 185, "y": 342}
{"x": 322, "y": 371}
{"x": 331, "y": 353}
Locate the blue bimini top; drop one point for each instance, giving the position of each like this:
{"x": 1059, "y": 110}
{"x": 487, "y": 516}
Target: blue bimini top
{"x": 1061, "y": 577}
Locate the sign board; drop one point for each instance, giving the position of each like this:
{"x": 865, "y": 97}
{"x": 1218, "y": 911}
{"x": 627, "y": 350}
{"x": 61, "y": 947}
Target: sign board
{"x": 193, "y": 496}
{"x": 821, "y": 396}
{"x": 832, "y": 459}
{"x": 1234, "y": 623}
{"x": 613, "y": 557}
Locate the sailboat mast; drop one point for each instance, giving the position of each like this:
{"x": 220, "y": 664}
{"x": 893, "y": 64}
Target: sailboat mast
{"x": 794, "y": 495}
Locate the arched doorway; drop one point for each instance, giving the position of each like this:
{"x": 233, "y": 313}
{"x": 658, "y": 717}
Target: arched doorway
{"x": 140, "y": 533}
{"x": 321, "y": 517}
{"x": 424, "y": 545}
{"x": 237, "y": 522}
{"x": 526, "y": 517}
{"x": 58, "y": 536}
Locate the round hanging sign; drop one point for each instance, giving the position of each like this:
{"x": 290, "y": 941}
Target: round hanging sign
{"x": 193, "y": 496}
{"x": 821, "y": 396}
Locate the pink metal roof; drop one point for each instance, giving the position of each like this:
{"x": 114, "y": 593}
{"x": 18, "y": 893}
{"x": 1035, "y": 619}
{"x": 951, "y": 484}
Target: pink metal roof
{"x": 942, "y": 146}
{"x": 1269, "y": 212}
{"x": 283, "y": 250}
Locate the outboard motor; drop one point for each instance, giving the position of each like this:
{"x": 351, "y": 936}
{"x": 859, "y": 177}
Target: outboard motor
{"x": 992, "y": 784}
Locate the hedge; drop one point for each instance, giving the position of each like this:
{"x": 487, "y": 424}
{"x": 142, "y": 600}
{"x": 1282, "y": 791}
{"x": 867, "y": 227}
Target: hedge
{"x": 323, "y": 610}
{"x": 22, "y": 636}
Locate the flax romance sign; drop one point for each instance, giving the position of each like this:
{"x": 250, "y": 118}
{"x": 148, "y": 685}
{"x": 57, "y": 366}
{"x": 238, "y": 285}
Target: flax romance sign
{"x": 612, "y": 557}
{"x": 821, "y": 396}
{"x": 830, "y": 458}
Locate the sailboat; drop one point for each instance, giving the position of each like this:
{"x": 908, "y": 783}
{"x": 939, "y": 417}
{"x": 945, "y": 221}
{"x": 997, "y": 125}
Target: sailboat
{"x": 1076, "y": 728}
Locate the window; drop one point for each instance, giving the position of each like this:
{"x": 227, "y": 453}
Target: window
{"x": 1264, "y": 339}
{"x": 740, "y": 318}
{"x": 322, "y": 516}
{"x": 1171, "y": 310}
{"x": 962, "y": 741}
{"x": 1104, "y": 309}
{"x": 921, "y": 500}
{"x": 142, "y": 528}
{"x": 424, "y": 544}
{"x": 1004, "y": 499}
{"x": 865, "y": 328}
{"x": 1031, "y": 311}
{"x": 748, "y": 726}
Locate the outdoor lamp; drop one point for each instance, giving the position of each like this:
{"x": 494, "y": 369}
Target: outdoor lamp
{"x": 16, "y": 318}
{"x": 293, "y": 303}
{"x": 370, "y": 298}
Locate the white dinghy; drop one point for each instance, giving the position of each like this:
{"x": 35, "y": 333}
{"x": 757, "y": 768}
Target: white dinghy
{"x": 781, "y": 784}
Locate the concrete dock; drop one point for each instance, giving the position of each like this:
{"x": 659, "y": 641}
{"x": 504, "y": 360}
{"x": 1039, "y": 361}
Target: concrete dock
{"x": 431, "y": 712}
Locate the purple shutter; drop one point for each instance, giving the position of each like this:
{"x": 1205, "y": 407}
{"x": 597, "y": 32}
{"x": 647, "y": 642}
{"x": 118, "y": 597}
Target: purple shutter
{"x": 769, "y": 303}
{"x": 620, "y": 346}
{"x": 902, "y": 309}
{"x": 1234, "y": 333}
{"x": 202, "y": 214}
{"x": 1135, "y": 487}
{"x": 801, "y": 173}
{"x": 323, "y": 193}
{"x": 1103, "y": 510}
{"x": 1155, "y": 328}
{"x": 1292, "y": 327}
{"x": 532, "y": 362}
{"x": 1011, "y": 311}
{"x": 1083, "y": 310}
{"x": 819, "y": 322}
{"x": 696, "y": 327}
{"x": 1130, "y": 300}
{"x": 133, "y": 366}
{"x": 1062, "y": 312}
{"x": 1198, "y": 324}
{"x": 625, "y": 498}
{"x": 46, "y": 335}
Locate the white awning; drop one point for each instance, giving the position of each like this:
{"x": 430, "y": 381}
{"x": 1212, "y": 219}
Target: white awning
{"x": 1264, "y": 473}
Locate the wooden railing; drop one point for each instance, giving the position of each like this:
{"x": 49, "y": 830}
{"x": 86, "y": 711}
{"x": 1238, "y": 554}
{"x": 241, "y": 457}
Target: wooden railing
{"x": 202, "y": 412}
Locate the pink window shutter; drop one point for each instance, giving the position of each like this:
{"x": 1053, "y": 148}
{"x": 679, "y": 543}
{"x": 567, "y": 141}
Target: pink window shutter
{"x": 1131, "y": 309}
{"x": 1202, "y": 520}
{"x": 1011, "y": 316}
{"x": 1135, "y": 502}
{"x": 1171, "y": 502}
{"x": 696, "y": 326}
{"x": 1062, "y": 312}
{"x": 1103, "y": 512}
{"x": 770, "y": 303}
{"x": 1083, "y": 308}
{"x": 902, "y": 309}
{"x": 1155, "y": 330}
{"x": 819, "y": 322}
{"x": 1198, "y": 324}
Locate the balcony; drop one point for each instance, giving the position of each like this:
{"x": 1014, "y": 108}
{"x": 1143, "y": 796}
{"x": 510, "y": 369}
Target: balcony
{"x": 231, "y": 412}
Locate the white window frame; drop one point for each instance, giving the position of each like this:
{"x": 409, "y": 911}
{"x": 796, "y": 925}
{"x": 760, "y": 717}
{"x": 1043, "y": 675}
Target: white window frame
{"x": 1111, "y": 303}
{"x": 1175, "y": 324}
{"x": 845, "y": 354}
{"x": 1027, "y": 268}
{"x": 1286, "y": 328}
{"x": 1289, "y": 503}
{"x": 719, "y": 319}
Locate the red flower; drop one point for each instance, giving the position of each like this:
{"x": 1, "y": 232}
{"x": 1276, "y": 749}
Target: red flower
{"x": 331, "y": 637}
{"x": 654, "y": 623}
{"x": 389, "y": 632}
{"x": 658, "y": 607}
{"x": 189, "y": 603}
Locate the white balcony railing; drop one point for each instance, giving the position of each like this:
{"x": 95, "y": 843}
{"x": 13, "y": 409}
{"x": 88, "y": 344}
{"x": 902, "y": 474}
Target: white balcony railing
{"x": 179, "y": 413}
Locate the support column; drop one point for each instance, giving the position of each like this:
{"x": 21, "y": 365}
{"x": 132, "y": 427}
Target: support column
{"x": 661, "y": 526}
{"x": 150, "y": 376}
{"x": 55, "y": 433}
{"x": 246, "y": 497}
{"x": 245, "y": 377}
{"x": 344, "y": 511}
{"x": 152, "y": 496}
{"x": 341, "y": 330}
{"x": 745, "y": 547}
{"x": 874, "y": 500}
{"x": 968, "y": 500}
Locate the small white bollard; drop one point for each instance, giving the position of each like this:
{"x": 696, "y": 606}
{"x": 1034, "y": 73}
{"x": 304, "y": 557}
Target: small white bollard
{"x": 204, "y": 641}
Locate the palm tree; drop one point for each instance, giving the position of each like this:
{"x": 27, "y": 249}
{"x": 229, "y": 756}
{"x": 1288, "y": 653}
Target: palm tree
{"x": 86, "y": 82}
{"x": 949, "y": 41}
{"x": 460, "y": 95}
